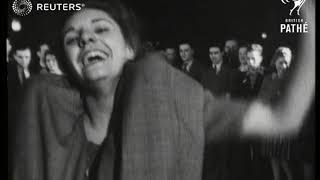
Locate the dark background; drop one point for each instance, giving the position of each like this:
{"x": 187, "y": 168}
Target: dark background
{"x": 202, "y": 21}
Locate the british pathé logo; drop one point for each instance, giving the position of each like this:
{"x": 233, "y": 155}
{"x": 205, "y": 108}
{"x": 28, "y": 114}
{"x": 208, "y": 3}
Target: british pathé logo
{"x": 297, "y": 5}
{"x": 22, "y": 7}
{"x": 294, "y": 25}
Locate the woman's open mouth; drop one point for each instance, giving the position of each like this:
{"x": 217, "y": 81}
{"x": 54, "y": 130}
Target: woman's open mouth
{"x": 94, "y": 56}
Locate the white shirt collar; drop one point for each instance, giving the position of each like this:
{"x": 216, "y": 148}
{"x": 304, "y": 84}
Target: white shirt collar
{"x": 217, "y": 66}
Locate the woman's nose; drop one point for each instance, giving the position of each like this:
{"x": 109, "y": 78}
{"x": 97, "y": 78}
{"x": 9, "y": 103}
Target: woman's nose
{"x": 86, "y": 37}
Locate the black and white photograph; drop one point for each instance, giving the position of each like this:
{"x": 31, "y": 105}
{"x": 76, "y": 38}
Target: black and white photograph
{"x": 161, "y": 90}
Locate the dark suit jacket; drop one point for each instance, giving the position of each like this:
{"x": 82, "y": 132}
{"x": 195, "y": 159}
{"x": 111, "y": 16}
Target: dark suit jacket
{"x": 218, "y": 84}
{"x": 238, "y": 85}
{"x": 14, "y": 92}
{"x": 167, "y": 119}
{"x": 196, "y": 70}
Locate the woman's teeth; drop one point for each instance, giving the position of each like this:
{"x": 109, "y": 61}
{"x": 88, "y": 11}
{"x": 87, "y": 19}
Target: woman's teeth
{"x": 93, "y": 57}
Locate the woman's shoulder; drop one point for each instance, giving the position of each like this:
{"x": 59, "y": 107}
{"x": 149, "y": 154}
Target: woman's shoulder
{"x": 48, "y": 84}
{"x": 43, "y": 80}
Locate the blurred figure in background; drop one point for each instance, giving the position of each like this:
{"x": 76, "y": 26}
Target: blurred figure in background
{"x": 171, "y": 56}
{"x": 231, "y": 53}
{"x": 18, "y": 73}
{"x": 243, "y": 59}
{"x": 19, "y": 68}
{"x": 254, "y": 76}
{"x": 51, "y": 63}
{"x": 43, "y": 47}
{"x": 238, "y": 89}
{"x": 277, "y": 150}
{"x": 9, "y": 47}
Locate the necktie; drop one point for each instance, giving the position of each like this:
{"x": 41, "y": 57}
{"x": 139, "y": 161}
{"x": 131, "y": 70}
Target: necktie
{"x": 215, "y": 69}
{"x": 184, "y": 68}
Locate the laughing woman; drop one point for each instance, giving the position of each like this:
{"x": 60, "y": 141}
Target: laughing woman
{"x": 113, "y": 118}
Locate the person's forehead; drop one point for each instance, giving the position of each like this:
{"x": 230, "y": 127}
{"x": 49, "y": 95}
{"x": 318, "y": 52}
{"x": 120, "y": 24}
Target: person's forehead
{"x": 254, "y": 53}
{"x": 231, "y": 42}
{"x": 185, "y": 46}
{"x": 50, "y": 56}
{"x": 214, "y": 49}
{"x": 281, "y": 58}
{"x": 170, "y": 50}
{"x": 87, "y": 14}
{"x": 23, "y": 51}
{"x": 243, "y": 49}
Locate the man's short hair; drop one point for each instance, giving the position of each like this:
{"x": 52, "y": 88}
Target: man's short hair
{"x": 21, "y": 46}
{"x": 216, "y": 44}
{"x": 189, "y": 42}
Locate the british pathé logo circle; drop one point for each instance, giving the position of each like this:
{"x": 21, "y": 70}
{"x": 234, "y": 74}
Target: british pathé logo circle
{"x": 297, "y": 5}
{"x": 22, "y": 7}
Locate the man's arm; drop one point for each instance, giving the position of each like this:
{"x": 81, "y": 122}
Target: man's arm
{"x": 287, "y": 116}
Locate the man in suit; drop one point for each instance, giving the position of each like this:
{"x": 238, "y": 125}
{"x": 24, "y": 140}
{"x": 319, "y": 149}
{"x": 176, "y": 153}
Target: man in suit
{"x": 18, "y": 73}
{"x": 189, "y": 64}
{"x": 18, "y": 69}
{"x": 217, "y": 77}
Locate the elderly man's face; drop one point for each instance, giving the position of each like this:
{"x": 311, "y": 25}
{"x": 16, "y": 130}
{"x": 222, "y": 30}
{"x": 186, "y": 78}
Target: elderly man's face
{"x": 94, "y": 45}
{"x": 23, "y": 57}
{"x": 215, "y": 55}
{"x": 186, "y": 52}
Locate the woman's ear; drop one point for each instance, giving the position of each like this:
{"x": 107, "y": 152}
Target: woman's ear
{"x": 130, "y": 54}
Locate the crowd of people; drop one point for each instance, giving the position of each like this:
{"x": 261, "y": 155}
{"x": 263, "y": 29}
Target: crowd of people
{"x": 235, "y": 75}
{"x": 236, "y": 71}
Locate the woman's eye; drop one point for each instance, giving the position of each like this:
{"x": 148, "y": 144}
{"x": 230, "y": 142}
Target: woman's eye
{"x": 102, "y": 30}
{"x": 70, "y": 41}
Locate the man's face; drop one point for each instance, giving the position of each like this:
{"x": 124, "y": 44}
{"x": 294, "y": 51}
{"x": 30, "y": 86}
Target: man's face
{"x": 23, "y": 57}
{"x": 243, "y": 58}
{"x": 215, "y": 55}
{"x": 95, "y": 46}
{"x": 186, "y": 52}
{"x": 230, "y": 46}
{"x": 254, "y": 58}
{"x": 170, "y": 54}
